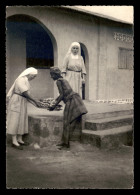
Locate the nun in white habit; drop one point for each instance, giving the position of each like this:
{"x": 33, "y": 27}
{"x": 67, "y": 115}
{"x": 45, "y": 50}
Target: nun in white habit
{"x": 19, "y": 94}
{"x": 73, "y": 69}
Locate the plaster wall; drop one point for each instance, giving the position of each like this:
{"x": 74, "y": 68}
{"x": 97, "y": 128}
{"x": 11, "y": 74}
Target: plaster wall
{"x": 15, "y": 56}
{"x": 119, "y": 82}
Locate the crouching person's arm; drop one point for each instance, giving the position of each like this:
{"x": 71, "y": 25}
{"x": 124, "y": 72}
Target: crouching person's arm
{"x": 59, "y": 98}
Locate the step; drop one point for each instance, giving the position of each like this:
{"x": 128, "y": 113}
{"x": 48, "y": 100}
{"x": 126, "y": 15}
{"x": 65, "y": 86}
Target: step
{"x": 110, "y": 138}
{"x": 109, "y": 114}
{"x": 108, "y": 123}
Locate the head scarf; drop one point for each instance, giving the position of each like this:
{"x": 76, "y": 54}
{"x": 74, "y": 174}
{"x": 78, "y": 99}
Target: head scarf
{"x": 55, "y": 70}
{"x": 30, "y": 70}
{"x": 79, "y": 52}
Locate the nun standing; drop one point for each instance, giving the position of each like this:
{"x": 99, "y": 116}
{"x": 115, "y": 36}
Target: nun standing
{"x": 17, "y": 118}
{"x": 73, "y": 69}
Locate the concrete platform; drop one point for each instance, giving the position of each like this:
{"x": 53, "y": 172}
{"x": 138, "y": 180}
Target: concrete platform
{"x": 109, "y": 138}
{"x": 107, "y": 123}
{"x": 45, "y": 130}
{"x": 45, "y": 127}
{"x": 95, "y": 110}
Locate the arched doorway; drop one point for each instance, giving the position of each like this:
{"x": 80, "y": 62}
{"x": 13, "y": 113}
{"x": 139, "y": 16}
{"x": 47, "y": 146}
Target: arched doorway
{"x": 85, "y": 87}
{"x": 30, "y": 44}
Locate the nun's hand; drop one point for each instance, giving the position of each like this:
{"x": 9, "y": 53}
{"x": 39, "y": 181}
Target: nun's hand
{"x": 38, "y": 104}
{"x": 83, "y": 81}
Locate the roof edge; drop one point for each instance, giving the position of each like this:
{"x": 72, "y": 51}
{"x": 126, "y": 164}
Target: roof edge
{"x": 97, "y": 14}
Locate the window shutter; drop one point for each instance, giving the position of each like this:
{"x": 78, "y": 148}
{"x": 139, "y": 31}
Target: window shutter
{"x": 125, "y": 58}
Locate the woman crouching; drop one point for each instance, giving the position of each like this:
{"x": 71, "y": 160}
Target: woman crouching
{"x": 74, "y": 106}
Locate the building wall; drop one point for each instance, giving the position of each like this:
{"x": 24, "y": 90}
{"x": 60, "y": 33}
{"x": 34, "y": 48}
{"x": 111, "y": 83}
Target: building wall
{"x": 114, "y": 83}
{"x": 103, "y": 80}
{"x": 15, "y": 55}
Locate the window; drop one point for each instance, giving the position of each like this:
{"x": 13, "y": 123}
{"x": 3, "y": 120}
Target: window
{"x": 125, "y": 58}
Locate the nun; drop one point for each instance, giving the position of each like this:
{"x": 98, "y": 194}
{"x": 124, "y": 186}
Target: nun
{"x": 17, "y": 118}
{"x": 73, "y": 69}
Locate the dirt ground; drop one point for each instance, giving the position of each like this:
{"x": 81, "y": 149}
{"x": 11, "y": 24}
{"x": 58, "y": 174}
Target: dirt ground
{"x": 80, "y": 167}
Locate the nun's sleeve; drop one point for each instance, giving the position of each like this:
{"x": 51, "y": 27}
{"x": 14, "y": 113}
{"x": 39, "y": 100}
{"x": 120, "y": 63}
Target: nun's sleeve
{"x": 83, "y": 66}
{"x": 21, "y": 84}
{"x": 65, "y": 65}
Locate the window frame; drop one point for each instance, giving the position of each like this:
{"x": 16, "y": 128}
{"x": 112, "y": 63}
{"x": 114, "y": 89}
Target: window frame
{"x": 126, "y": 65}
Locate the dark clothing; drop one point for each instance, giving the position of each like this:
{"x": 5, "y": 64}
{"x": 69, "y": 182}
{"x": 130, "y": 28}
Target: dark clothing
{"x": 73, "y": 111}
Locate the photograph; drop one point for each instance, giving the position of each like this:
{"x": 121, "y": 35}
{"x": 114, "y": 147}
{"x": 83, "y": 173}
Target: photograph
{"x": 69, "y": 96}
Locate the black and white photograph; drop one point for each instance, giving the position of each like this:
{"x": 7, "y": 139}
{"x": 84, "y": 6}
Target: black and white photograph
{"x": 69, "y": 96}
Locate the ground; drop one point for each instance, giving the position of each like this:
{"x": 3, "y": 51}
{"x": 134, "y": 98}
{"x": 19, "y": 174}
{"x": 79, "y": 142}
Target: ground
{"x": 80, "y": 167}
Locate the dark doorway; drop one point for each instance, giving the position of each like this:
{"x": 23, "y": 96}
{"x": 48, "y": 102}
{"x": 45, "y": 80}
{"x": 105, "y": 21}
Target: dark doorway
{"x": 39, "y": 48}
{"x": 83, "y": 85}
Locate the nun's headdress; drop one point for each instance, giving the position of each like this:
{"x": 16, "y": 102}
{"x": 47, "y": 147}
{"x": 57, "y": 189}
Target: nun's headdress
{"x": 30, "y": 70}
{"x": 74, "y": 44}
